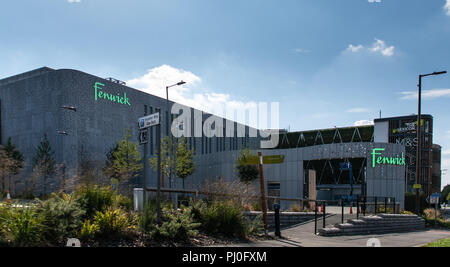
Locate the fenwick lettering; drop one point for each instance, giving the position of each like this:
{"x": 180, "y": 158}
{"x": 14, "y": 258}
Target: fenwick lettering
{"x": 101, "y": 94}
{"x": 386, "y": 160}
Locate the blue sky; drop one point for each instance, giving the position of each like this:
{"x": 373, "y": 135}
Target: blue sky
{"x": 328, "y": 63}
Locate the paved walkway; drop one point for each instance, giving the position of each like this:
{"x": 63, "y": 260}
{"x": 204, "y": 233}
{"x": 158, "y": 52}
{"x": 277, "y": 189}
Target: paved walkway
{"x": 303, "y": 236}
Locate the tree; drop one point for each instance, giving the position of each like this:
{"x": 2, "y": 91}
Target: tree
{"x": 126, "y": 159}
{"x": 6, "y": 164}
{"x": 109, "y": 169}
{"x": 445, "y": 193}
{"x": 43, "y": 161}
{"x": 247, "y": 173}
{"x": 167, "y": 159}
{"x": 16, "y": 157}
{"x": 185, "y": 165}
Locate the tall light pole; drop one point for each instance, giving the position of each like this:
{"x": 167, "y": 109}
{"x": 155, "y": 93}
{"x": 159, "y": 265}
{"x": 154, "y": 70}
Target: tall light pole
{"x": 168, "y": 122}
{"x": 62, "y": 132}
{"x": 419, "y": 136}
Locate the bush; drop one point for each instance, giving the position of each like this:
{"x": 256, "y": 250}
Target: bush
{"x": 175, "y": 225}
{"x": 61, "y": 217}
{"x": 124, "y": 202}
{"x": 22, "y": 227}
{"x": 224, "y": 217}
{"x": 88, "y": 231}
{"x": 406, "y": 212}
{"x": 94, "y": 199}
{"x": 430, "y": 214}
{"x": 112, "y": 222}
{"x": 148, "y": 218}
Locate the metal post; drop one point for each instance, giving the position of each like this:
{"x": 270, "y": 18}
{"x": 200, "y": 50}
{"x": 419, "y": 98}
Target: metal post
{"x": 357, "y": 207}
{"x": 144, "y": 182}
{"x": 342, "y": 215}
{"x": 364, "y": 205}
{"x": 324, "y": 212}
{"x": 315, "y": 218}
{"x": 376, "y": 200}
{"x": 158, "y": 183}
{"x": 394, "y": 211}
{"x": 263, "y": 192}
{"x": 385, "y": 205}
{"x": 277, "y": 219}
{"x": 419, "y": 143}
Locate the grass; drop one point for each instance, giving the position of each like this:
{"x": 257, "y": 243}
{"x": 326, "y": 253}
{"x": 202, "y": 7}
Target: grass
{"x": 443, "y": 243}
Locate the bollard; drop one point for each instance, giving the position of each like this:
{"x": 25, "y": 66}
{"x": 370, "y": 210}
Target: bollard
{"x": 393, "y": 206}
{"x": 315, "y": 218}
{"x": 385, "y": 205}
{"x": 375, "y": 212}
{"x": 276, "y": 207}
{"x": 364, "y": 206}
{"x": 357, "y": 207}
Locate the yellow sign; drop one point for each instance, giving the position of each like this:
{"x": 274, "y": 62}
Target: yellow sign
{"x": 417, "y": 186}
{"x": 274, "y": 159}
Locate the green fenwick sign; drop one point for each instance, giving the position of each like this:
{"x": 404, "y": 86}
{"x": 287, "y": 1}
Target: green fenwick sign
{"x": 101, "y": 94}
{"x": 378, "y": 159}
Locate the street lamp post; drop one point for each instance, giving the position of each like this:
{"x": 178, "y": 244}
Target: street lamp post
{"x": 418, "y": 156}
{"x": 62, "y": 132}
{"x": 168, "y": 123}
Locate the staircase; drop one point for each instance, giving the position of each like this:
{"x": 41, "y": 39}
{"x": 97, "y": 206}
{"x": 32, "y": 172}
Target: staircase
{"x": 379, "y": 224}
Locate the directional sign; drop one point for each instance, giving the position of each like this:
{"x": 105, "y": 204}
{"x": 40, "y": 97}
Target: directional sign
{"x": 417, "y": 186}
{"x": 148, "y": 121}
{"x": 143, "y": 136}
{"x": 274, "y": 159}
{"x": 434, "y": 198}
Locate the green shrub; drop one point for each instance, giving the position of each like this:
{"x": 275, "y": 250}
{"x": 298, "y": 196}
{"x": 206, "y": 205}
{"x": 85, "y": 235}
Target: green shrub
{"x": 223, "y": 217}
{"x": 61, "y": 217}
{"x": 406, "y": 212}
{"x": 124, "y": 202}
{"x": 112, "y": 222}
{"x": 22, "y": 227}
{"x": 176, "y": 225}
{"x": 88, "y": 231}
{"x": 148, "y": 218}
{"x": 94, "y": 198}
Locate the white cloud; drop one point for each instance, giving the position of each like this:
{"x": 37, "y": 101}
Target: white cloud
{"x": 155, "y": 81}
{"x": 358, "y": 110}
{"x": 74, "y": 1}
{"x": 355, "y": 49}
{"x": 301, "y": 51}
{"x": 447, "y": 7}
{"x": 374, "y": 1}
{"x": 446, "y": 152}
{"x": 378, "y": 47}
{"x": 363, "y": 123}
{"x": 426, "y": 94}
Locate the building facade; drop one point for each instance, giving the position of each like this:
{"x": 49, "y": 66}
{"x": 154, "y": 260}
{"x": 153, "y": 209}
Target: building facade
{"x": 32, "y": 105}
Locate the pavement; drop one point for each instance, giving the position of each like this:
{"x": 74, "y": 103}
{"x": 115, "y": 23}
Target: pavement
{"x": 303, "y": 236}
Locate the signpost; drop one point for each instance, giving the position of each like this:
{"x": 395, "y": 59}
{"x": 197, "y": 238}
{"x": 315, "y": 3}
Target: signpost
{"x": 144, "y": 123}
{"x": 260, "y": 160}
{"x": 149, "y": 121}
{"x": 434, "y": 199}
